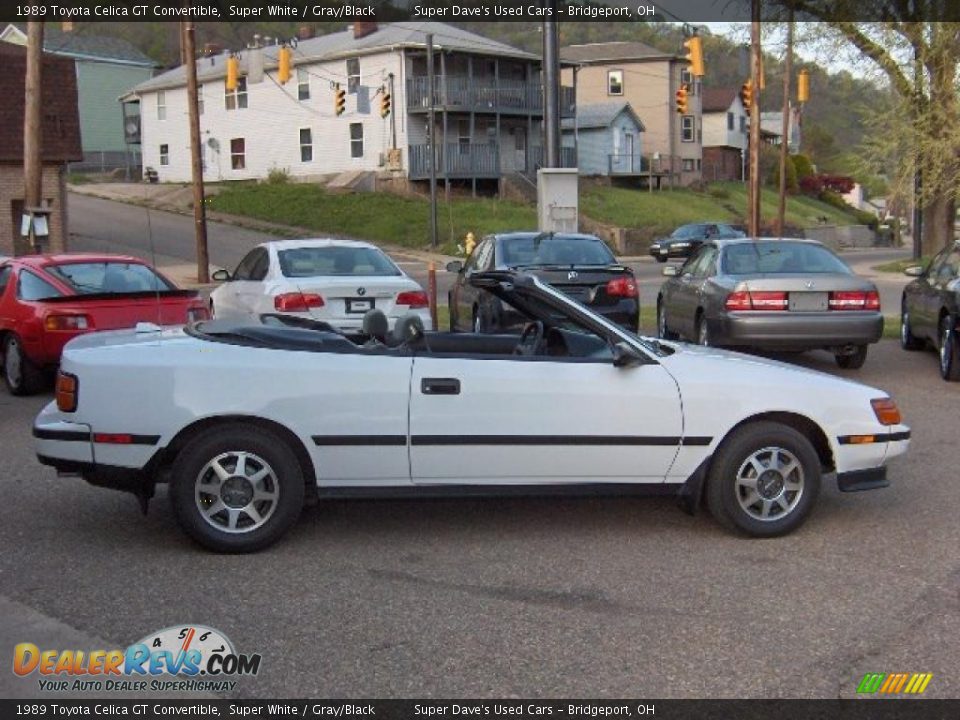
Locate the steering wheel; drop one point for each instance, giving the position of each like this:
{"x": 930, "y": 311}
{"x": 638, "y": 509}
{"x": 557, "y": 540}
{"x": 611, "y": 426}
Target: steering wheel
{"x": 530, "y": 339}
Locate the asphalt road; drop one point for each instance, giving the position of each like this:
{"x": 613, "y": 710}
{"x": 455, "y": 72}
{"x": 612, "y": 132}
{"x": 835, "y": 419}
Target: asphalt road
{"x": 528, "y": 598}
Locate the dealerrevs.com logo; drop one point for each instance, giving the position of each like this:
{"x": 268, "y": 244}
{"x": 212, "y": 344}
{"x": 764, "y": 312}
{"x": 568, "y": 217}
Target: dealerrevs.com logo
{"x": 179, "y": 658}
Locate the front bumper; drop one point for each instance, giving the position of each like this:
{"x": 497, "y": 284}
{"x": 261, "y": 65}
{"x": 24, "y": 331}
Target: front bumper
{"x": 858, "y": 480}
{"x": 796, "y": 331}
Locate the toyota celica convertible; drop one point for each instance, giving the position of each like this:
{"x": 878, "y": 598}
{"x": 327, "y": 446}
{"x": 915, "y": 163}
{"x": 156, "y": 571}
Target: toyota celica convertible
{"x": 250, "y": 422}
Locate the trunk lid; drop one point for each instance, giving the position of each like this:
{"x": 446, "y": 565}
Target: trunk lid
{"x": 114, "y": 311}
{"x": 351, "y": 297}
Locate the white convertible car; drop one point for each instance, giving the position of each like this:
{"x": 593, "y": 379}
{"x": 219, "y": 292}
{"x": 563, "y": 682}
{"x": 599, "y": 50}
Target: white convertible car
{"x": 247, "y": 423}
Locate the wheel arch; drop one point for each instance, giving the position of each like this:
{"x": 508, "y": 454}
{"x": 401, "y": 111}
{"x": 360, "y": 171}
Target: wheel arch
{"x": 802, "y": 424}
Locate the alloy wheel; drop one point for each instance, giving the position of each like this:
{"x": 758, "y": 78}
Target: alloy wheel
{"x": 236, "y": 492}
{"x": 770, "y": 484}
{"x": 12, "y": 364}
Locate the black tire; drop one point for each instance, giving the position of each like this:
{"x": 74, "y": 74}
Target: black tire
{"x": 261, "y": 448}
{"x": 855, "y": 360}
{"x": 703, "y": 330}
{"x": 949, "y": 347}
{"x": 483, "y": 322}
{"x": 729, "y": 499}
{"x": 663, "y": 330}
{"x": 908, "y": 341}
{"x": 213, "y": 313}
{"x": 20, "y": 375}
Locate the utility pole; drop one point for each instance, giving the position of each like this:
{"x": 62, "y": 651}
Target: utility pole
{"x": 432, "y": 139}
{"x": 787, "y": 69}
{"x": 188, "y": 45}
{"x": 32, "y": 163}
{"x": 551, "y": 89}
{"x": 917, "y": 156}
{"x": 753, "y": 220}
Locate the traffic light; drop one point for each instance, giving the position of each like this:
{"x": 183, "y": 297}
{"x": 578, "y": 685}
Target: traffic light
{"x": 384, "y": 102}
{"x": 683, "y": 93}
{"x": 746, "y": 94}
{"x": 803, "y": 86}
{"x": 339, "y": 100}
{"x": 233, "y": 73}
{"x": 283, "y": 58}
{"x": 694, "y": 46}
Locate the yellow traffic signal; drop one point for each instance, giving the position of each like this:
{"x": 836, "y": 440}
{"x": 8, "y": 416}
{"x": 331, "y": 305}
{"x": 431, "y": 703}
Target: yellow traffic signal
{"x": 339, "y": 100}
{"x": 694, "y": 46}
{"x": 803, "y": 86}
{"x": 683, "y": 93}
{"x": 233, "y": 73}
{"x": 283, "y": 58}
{"x": 384, "y": 103}
{"x": 746, "y": 95}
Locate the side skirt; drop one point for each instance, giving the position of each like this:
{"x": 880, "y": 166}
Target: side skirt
{"x": 496, "y": 491}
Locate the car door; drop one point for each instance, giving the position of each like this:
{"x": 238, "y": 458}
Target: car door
{"x": 928, "y": 297}
{"x": 250, "y": 289}
{"x": 687, "y": 289}
{"x": 465, "y": 294}
{"x": 511, "y": 420}
{"x": 6, "y": 299}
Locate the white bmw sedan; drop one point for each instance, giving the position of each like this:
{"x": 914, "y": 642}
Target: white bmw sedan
{"x": 335, "y": 281}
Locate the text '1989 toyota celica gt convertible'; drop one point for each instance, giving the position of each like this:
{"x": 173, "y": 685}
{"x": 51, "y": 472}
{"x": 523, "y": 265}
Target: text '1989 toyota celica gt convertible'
{"x": 575, "y": 404}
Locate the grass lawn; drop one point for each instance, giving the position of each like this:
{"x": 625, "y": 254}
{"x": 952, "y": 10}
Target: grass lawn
{"x": 898, "y": 266}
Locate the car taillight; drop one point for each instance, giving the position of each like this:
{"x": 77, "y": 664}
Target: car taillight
{"x": 297, "y": 302}
{"x": 67, "y": 389}
{"x": 886, "y": 411}
{"x": 196, "y": 314}
{"x": 756, "y": 300}
{"x": 67, "y": 323}
{"x": 854, "y": 300}
{"x": 414, "y": 298}
{"x": 622, "y": 287}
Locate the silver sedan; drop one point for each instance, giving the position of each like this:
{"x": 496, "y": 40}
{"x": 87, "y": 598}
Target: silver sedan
{"x": 771, "y": 293}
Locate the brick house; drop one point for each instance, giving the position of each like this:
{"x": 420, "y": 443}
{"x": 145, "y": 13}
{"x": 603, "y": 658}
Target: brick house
{"x": 60, "y": 144}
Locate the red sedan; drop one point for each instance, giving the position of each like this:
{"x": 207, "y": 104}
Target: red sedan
{"x": 45, "y": 300}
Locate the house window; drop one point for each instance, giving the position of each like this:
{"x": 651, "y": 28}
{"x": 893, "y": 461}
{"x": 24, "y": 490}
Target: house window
{"x": 686, "y": 128}
{"x": 238, "y": 153}
{"x": 356, "y": 140}
{"x": 730, "y": 121}
{"x": 615, "y": 82}
{"x": 200, "y": 99}
{"x": 353, "y": 75}
{"x": 463, "y": 135}
{"x": 306, "y": 145}
{"x": 688, "y": 165}
{"x": 303, "y": 84}
{"x": 161, "y": 105}
{"x": 236, "y": 99}
{"x": 743, "y": 124}
{"x": 164, "y": 154}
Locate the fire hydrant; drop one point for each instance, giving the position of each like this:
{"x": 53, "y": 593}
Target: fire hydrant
{"x": 469, "y": 244}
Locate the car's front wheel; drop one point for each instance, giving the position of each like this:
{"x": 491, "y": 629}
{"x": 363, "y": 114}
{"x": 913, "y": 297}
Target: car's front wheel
{"x": 663, "y": 330}
{"x": 949, "y": 350}
{"x": 908, "y": 341}
{"x": 764, "y": 480}
{"x": 21, "y": 376}
{"x": 236, "y": 488}
{"x": 854, "y": 360}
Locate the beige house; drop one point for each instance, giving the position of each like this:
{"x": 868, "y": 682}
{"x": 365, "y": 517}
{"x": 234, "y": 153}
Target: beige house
{"x": 648, "y": 79}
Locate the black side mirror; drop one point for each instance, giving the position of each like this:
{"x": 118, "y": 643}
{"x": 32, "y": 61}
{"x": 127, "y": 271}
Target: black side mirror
{"x": 454, "y": 266}
{"x": 221, "y": 275}
{"x": 626, "y": 356}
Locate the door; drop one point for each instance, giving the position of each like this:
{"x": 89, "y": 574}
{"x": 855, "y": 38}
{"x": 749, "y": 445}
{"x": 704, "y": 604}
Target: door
{"x": 520, "y": 149}
{"x": 688, "y": 289}
{"x": 927, "y": 302}
{"x": 628, "y": 152}
{"x": 250, "y": 292}
{"x": 540, "y": 420}
{"x": 465, "y": 296}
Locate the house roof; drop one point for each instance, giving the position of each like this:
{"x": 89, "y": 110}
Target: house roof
{"x": 81, "y": 46}
{"x": 388, "y": 36}
{"x": 60, "y": 123}
{"x": 599, "y": 53}
{"x": 601, "y": 115}
{"x": 718, "y": 99}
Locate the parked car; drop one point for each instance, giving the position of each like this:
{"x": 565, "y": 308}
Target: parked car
{"x": 575, "y": 404}
{"x": 930, "y": 310}
{"x": 335, "y": 281}
{"x": 47, "y": 300}
{"x": 774, "y": 294}
{"x": 683, "y": 241}
{"x": 581, "y": 266}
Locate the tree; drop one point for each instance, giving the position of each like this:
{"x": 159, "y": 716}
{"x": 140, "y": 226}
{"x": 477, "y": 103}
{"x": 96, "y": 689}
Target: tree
{"x": 918, "y": 56}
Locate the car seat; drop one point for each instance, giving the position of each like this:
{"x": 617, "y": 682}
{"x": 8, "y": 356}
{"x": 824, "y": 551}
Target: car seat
{"x": 409, "y": 333}
{"x": 375, "y": 327}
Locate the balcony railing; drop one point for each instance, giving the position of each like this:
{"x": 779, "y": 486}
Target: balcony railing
{"x": 455, "y": 160}
{"x": 458, "y": 93}
{"x": 568, "y": 157}
{"x": 627, "y": 164}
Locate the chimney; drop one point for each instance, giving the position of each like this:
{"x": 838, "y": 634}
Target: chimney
{"x": 305, "y": 32}
{"x": 66, "y": 26}
{"x": 364, "y": 28}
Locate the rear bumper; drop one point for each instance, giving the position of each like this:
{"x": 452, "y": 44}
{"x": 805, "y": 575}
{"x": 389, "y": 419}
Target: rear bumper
{"x": 797, "y": 331}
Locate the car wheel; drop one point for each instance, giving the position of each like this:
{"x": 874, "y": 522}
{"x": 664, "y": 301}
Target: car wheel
{"x": 662, "y": 330}
{"x": 481, "y": 321}
{"x": 854, "y": 360}
{"x": 213, "y": 313}
{"x": 908, "y": 341}
{"x": 949, "y": 350}
{"x": 764, "y": 480}
{"x": 661, "y": 259}
{"x": 236, "y": 488}
{"x": 703, "y": 332}
{"x": 21, "y": 376}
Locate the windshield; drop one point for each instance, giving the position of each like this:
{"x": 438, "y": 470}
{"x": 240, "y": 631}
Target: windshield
{"x": 109, "y": 278}
{"x": 781, "y": 257}
{"x": 539, "y": 250}
{"x": 342, "y": 261}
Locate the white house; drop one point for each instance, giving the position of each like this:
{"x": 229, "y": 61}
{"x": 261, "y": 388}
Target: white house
{"x": 725, "y": 134}
{"x": 488, "y": 109}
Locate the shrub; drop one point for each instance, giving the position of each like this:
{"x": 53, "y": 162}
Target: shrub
{"x": 774, "y": 178}
{"x": 863, "y": 217}
{"x": 816, "y": 184}
{"x": 278, "y": 176}
{"x": 803, "y": 166}
{"x": 718, "y": 191}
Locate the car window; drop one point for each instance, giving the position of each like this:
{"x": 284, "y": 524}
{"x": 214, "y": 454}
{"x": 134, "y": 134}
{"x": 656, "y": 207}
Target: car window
{"x": 335, "y": 260}
{"x": 933, "y": 269}
{"x": 950, "y": 267}
{"x": 259, "y": 271}
{"x": 707, "y": 262}
{"x": 5, "y": 272}
{"x": 780, "y": 257}
{"x": 245, "y": 268}
{"x": 485, "y": 256}
{"x": 108, "y": 277}
{"x": 471, "y": 263}
{"x": 685, "y": 232}
{"x": 540, "y": 250}
{"x": 692, "y": 265}
{"x": 31, "y": 287}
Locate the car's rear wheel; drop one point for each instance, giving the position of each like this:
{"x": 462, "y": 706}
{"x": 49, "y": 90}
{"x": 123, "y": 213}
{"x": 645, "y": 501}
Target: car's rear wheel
{"x": 764, "y": 480}
{"x": 236, "y": 488}
{"x": 703, "y": 331}
{"x": 663, "y": 331}
{"x": 949, "y": 350}
{"x": 21, "y": 376}
{"x": 854, "y": 360}
{"x": 908, "y": 341}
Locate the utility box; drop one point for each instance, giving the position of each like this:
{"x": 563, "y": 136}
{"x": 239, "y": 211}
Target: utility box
{"x": 557, "y": 200}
